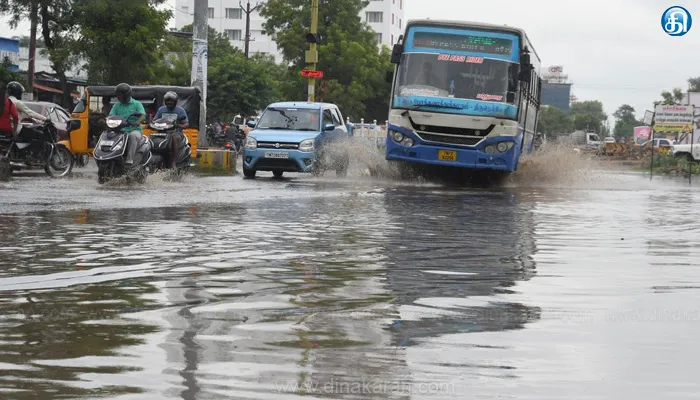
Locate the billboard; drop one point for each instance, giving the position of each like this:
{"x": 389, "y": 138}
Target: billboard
{"x": 641, "y": 134}
{"x": 554, "y": 74}
{"x": 673, "y": 119}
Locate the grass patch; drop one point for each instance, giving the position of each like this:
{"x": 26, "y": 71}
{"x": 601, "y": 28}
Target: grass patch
{"x": 670, "y": 165}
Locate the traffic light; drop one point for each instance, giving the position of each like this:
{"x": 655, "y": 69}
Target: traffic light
{"x": 311, "y": 37}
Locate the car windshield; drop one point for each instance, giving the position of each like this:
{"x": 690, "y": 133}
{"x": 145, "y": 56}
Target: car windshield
{"x": 461, "y": 77}
{"x": 293, "y": 119}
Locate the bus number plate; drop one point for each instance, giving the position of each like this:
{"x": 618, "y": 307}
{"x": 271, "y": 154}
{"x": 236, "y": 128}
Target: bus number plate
{"x": 447, "y": 155}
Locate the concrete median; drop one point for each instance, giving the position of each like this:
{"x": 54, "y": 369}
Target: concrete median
{"x": 216, "y": 161}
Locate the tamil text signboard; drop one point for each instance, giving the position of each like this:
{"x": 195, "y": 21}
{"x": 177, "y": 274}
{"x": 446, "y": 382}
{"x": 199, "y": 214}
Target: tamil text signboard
{"x": 673, "y": 119}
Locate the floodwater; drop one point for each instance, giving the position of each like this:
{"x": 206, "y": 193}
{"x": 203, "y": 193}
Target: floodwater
{"x": 565, "y": 283}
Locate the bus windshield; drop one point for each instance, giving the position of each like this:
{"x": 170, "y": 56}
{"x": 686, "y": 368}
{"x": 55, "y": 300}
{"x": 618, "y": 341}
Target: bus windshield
{"x": 456, "y": 76}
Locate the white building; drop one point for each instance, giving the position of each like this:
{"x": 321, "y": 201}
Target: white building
{"x": 386, "y": 17}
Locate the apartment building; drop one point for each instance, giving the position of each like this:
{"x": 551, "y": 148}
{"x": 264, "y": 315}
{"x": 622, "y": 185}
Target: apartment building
{"x": 386, "y": 17}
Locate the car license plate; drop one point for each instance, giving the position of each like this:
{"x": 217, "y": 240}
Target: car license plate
{"x": 447, "y": 155}
{"x": 107, "y": 143}
{"x": 276, "y": 154}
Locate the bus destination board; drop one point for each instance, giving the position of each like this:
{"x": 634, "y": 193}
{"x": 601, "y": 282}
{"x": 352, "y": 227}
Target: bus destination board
{"x": 465, "y": 42}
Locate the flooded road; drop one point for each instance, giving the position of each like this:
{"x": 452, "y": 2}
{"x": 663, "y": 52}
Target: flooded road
{"x": 223, "y": 288}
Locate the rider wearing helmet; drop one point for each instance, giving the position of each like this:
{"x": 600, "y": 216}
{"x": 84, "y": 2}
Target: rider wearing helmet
{"x": 178, "y": 114}
{"x": 14, "y": 91}
{"x": 125, "y": 108}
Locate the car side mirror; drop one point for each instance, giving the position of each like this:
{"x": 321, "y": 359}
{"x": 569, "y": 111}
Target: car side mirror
{"x": 74, "y": 124}
{"x": 329, "y": 127}
{"x": 251, "y": 124}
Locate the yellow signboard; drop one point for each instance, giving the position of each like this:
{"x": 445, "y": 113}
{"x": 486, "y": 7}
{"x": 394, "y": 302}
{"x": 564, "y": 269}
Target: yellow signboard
{"x": 673, "y": 119}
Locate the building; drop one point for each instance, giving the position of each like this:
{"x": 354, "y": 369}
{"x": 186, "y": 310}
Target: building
{"x": 9, "y": 48}
{"x": 556, "y": 89}
{"x": 386, "y": 17}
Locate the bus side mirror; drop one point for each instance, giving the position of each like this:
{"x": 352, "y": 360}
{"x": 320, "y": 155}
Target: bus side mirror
{"x": 396, "y": 53}
{"x": 525, "y": 72}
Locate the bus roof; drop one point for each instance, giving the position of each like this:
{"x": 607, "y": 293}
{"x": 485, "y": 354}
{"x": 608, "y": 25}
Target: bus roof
{"x": 472, "y": 24}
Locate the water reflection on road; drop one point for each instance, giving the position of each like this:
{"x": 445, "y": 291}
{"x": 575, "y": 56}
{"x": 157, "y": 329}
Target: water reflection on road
{"x": 309, "y": 288}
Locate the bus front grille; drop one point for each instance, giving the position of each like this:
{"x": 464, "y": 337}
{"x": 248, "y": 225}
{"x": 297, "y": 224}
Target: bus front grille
{"x": 450, "y": 140}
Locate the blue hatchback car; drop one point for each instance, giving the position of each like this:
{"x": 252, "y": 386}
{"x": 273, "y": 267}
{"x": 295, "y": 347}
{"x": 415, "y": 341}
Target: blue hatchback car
{"x": 297, "y": 137}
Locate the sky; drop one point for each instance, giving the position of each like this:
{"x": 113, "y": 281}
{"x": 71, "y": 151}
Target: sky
{"x": 614, "y": 51}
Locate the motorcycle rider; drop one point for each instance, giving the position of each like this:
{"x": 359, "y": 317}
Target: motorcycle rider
{"x": 14, "y": 91}
{"x": 171, "y": 109}
{"x": 125, "y": 108}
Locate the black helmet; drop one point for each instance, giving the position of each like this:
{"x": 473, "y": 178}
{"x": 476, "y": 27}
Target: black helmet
{"x": 15, "y": 89}
{"x": 123, "y": 92}
{"x": 170, "y": 96}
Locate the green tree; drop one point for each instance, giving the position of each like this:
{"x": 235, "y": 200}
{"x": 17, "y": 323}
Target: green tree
{"x": 553, "y": 121}
{"x": 234, "y": 84}
{"x": 119, "y": 39}
{"x": 589, "y": 115}
{"x": 7, "y": 74}
{"x": 348, "y": 54}
{"x": 56, "y": 31}
{"x": 625, "y": 121}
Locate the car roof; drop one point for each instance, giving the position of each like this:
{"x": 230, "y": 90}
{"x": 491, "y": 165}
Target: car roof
{"x": 301, "y": 104}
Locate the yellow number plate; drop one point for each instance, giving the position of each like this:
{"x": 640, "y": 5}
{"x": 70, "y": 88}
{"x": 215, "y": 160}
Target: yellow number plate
{"x": 447, "y": 155}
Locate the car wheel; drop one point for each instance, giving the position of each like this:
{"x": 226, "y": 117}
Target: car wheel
{"x": 249, "y": 173}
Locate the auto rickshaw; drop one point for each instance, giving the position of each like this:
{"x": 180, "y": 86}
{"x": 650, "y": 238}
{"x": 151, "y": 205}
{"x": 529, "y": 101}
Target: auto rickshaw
{"x": 93, "y": 108}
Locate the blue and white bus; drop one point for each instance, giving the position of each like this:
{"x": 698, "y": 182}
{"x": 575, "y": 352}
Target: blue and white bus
{"x": 464, "y": 95}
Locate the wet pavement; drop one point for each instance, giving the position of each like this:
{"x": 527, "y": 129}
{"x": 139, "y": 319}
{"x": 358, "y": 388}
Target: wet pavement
{"x": 359, "y": 288}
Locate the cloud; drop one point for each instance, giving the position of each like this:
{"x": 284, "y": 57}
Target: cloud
{"x": 613, "y": 50}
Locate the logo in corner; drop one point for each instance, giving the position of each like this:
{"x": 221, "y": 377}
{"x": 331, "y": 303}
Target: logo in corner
{"x": 676, "y": 21}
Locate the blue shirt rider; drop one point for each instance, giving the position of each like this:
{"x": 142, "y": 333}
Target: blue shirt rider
{"x": 173, "y": 112}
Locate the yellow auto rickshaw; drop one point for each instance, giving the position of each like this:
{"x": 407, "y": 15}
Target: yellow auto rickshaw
{"x": 90, "y": 113}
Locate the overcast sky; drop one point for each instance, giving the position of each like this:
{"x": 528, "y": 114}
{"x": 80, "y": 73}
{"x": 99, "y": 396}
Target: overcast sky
{"x": 613, "y": 50}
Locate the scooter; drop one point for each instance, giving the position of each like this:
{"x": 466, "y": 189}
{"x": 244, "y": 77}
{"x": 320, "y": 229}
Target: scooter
{"x": 161, "y": 147}
{"x": 110, "y": 152}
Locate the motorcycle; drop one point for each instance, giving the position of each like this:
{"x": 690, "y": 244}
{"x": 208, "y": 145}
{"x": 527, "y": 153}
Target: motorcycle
{"x": 161, "y": 147}
{"x": 110, "y": 152}
{"x": 35, "y": 146}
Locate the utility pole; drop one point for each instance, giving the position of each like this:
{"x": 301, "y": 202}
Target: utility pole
{"x": 34, "y": 11}
{"x": 247, "y": 12}
{"x": 312, "y": 53}
{"x": 199, "y": 63}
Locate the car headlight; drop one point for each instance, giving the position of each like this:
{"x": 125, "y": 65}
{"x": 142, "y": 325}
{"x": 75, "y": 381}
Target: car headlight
{"x": 251, "y": 144}
{"x": 306, "y": 145}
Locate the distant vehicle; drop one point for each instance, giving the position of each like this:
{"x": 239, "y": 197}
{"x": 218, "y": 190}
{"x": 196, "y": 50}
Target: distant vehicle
{"x": 609, "y": 139}
{"x": 297, "y": 137}
{"x": 589, "y": 141}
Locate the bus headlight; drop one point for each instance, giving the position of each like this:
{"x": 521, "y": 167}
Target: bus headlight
{"x": 401, "y": 139}
{"x": 502, "y": 147}
{"x": 397, "y": 136}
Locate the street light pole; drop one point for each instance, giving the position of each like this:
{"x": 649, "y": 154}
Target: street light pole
{"x": 312, "y": 53}
{"x": 200, "y": 30}
{"x": 247, "y": 12}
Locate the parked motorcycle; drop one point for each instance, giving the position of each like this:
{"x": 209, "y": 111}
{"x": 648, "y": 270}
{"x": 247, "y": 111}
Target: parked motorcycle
{"x": 36, "y": 146}
{"x": 110, "y": 152}
{"x": 161, "y": 147}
